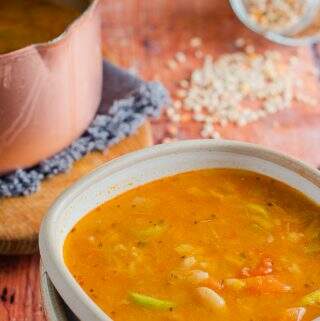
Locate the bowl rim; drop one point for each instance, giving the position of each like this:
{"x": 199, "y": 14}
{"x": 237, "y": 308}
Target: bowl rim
{"x": 68, "y": 30}
{"x": 72, "y": 293}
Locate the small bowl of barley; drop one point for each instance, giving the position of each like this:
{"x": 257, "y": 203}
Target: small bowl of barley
{"x": 287, "y": 22}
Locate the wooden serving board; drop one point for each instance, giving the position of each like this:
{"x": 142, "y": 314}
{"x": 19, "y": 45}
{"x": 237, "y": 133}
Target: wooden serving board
{"x": 20, "y": 217}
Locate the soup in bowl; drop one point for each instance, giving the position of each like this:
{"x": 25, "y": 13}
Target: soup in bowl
{"x": 195, "y": 230}
{"x": 25, "y": 22}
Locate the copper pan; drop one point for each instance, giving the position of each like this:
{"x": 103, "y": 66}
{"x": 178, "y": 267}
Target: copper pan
{"x": 50, "y": 92}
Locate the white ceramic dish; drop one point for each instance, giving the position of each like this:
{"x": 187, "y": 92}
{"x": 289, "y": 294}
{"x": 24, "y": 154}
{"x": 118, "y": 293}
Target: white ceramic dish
{"x": 138, "y": 168}
{"x": 54, "y": 307}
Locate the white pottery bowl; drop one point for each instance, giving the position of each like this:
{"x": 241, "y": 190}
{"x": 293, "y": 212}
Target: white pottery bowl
{"x": 143, "y": 166}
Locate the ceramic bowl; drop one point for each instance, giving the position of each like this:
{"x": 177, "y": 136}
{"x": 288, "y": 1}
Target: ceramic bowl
{"x": 50, "y": 92}
{"x": 54, "y": 307}
{"x": 143, "y": 166}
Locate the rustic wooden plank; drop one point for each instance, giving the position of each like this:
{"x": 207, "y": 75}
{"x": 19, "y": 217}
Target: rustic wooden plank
{"x": 143, "y": 34}
{"x": 19, "y": 289}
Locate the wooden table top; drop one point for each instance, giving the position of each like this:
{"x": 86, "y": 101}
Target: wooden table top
{"x": 143, "y": 35}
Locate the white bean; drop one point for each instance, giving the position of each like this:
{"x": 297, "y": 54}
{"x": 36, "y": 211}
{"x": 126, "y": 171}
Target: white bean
{"x": 196, "y": 276}
{"x": 188, "y": 262}
{"x": 211, "y": 298}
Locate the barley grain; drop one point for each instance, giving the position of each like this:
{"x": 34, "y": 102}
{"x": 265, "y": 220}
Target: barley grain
{"x": 172, "y": 64}
{"x": 181, "y": 57}
{"x": 177, "y": 104}
{"x": 184, "y": 83}
{"x": 217, "y": 91}
{"x": 240, "y": 43}
{"x": 195, "y": 42}
{"x": 198, "y": 54}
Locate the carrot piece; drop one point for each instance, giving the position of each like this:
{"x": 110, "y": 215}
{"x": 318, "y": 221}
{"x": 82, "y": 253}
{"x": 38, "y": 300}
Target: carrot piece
{"x": 265, "y": 267}
{"x": 266, "y": 284}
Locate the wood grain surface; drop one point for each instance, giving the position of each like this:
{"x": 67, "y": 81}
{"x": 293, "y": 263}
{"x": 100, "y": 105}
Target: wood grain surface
{"x": 143, "y": 35}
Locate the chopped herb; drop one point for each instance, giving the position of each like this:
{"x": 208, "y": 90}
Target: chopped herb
{"x": 312, "y": 298}
{"x": 150, "y": 302}
{"x": 152, "y": 231}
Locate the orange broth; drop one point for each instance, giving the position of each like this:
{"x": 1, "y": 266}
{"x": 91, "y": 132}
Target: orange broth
{"x": 216, "y": 244}
{"x": 24, "y": 22}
